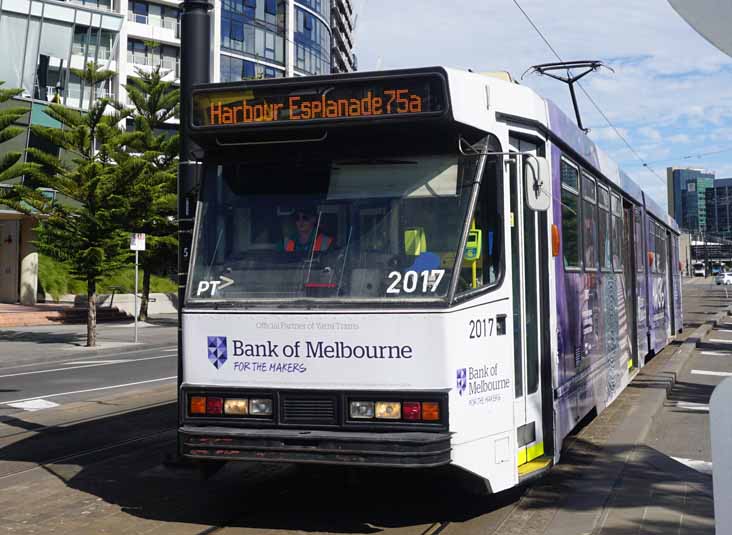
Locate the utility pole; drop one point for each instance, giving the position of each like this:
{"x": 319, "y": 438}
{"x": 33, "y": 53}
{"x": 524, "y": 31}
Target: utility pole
{"x": 195, "y": 69}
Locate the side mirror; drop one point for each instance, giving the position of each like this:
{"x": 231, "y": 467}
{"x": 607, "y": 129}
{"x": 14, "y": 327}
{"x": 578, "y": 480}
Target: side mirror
{"x": 473, "y": 246}
{"x": 537, "y": 183}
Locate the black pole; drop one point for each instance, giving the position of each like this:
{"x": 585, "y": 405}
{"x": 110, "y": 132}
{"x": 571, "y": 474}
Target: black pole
{"x": 195, "y": 40}
{"x": 576, "y": 106}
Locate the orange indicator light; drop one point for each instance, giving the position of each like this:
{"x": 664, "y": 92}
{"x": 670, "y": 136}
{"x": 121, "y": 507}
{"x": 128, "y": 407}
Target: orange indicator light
{"x": 198, "y": 405}
{"x": 430, "y": 411}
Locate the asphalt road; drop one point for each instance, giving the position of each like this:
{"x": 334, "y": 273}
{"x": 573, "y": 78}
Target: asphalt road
{"x": 42, "y": 367}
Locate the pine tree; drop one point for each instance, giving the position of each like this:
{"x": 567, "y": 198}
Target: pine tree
{"x": 85, "y": 234}
{"x": 93, "y": 75}
{"x": 11, "y": 164}
{"x": 151, "y": 198}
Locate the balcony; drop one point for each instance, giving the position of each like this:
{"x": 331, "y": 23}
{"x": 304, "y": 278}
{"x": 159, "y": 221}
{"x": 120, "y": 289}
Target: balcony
{"x": 172, "y": 65}
{"x": 154, "y": 27}
{"x": 101, "y": 5}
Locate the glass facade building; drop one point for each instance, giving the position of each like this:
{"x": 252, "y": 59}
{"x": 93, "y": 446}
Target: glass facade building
{"x": 275, "y": 38}
{"x": 47, "y": 43}
{"x": 719, "y": 208}
{"x": 42, "y": 41}
{"x": 687, "y": 197}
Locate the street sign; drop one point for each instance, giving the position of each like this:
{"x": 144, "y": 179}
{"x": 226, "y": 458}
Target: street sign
{"x": 137, "y": 242}
{"x": 720, "y": 416}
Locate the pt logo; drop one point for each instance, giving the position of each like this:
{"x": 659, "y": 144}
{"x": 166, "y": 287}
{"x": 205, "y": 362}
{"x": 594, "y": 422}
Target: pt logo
{"x": 462, "y": 380}
{"x": 217, "y": 350}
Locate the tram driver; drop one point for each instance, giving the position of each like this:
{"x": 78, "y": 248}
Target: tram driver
{"x": 306, "y": 237}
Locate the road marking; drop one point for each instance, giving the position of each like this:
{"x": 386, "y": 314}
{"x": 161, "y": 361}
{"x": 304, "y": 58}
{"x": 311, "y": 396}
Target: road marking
{"x": 690, "y": 406}
{"x": 170, "y": 350}
{"x": 709, "y": 372}
{"x": 705, "y": 467}
{"x": 92, "y": 364}
{"x": 34, "y": 405}
{"x": 41, "y": 363}
{"x": 720, "y": 341}
{"x": 716, "y": 353}
{"x": 89, "y": 390}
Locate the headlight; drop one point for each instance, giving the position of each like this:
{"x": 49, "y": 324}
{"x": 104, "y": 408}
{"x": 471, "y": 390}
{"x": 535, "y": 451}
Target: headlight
{"x": 362, "y": 409}
{"x": 260, "y": 407}
{"x": 236, "y": 406}
{"x": 388, "y": 410}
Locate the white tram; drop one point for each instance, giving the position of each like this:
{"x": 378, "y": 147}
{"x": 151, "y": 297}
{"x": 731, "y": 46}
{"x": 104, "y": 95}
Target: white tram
{"x": 411, "y": 268}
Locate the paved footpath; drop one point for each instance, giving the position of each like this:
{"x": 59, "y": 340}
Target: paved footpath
{"x": 642, "y": 466}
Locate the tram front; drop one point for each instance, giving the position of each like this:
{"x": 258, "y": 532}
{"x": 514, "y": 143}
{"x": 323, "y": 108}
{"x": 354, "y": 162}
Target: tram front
{"x": 347, "y": 298}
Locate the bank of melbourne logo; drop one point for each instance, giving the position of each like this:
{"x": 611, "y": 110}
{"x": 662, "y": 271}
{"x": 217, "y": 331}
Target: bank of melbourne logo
{"x": 462, "y": 380}
{"x": 217, "y": 350}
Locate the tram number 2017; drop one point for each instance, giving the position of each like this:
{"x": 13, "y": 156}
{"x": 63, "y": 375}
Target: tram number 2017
{"x": 413, "y": 281}
{"x": 481, "y": 327}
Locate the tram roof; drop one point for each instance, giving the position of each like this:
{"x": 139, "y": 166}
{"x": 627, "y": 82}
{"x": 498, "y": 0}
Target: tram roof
{"x": 517, "y": 101}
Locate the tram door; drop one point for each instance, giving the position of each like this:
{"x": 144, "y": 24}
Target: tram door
{"x": 527, "y": 321}
{"x": 670, "y": 268}
{"x": 629, "y": 282}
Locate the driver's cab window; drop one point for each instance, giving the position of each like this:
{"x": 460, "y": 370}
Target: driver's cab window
{"x": 482, "y": 258}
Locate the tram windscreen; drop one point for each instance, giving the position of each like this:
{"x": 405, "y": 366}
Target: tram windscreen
{"x": 373, "y": 228}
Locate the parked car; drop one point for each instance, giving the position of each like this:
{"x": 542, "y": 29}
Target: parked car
{"x": 723, "y": 278}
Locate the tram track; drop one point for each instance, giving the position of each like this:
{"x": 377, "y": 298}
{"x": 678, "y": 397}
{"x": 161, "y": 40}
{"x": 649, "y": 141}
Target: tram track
{"x": 92, "y": 451}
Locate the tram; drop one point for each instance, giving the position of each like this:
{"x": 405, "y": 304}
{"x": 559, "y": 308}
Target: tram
{"x": 411, "y": 268}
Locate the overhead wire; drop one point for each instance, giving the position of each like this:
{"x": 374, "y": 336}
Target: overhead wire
{"x": 692, "y": 156}
{"x": 586, "y": 93}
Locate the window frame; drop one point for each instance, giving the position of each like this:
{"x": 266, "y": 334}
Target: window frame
{"x": 577, "y": 193}
{"x": 607, "y": 215}
{"x": 616, "y": 216}
{"x": 500, "y": 176}
{"x": 652, "y": 245}
{"x": 592, "y": 200}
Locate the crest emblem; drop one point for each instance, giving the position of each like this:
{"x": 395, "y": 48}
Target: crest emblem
{"x": 462, "y": 380}
{"x": 217, "y": 350}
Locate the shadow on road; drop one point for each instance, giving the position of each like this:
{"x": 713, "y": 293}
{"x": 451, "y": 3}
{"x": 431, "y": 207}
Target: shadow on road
{"x": 48, "y": 337}
{"x": 134, "y": 476}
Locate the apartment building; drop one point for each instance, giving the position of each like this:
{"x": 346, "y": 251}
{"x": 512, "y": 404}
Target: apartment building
{"x": 43, "y": 40}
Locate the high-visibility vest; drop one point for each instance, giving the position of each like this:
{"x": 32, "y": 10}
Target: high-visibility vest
{"x": 319, "y": 239}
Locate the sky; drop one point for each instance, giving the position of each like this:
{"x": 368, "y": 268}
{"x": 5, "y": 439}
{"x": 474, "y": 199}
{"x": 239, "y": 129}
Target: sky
{"x": 670, "y": 94}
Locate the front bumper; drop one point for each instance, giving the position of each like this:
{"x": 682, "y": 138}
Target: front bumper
{"x": 401, "y": 449}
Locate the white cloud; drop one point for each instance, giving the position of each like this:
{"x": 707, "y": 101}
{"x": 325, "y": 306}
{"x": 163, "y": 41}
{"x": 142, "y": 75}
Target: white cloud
{"x": 669, "y": 95}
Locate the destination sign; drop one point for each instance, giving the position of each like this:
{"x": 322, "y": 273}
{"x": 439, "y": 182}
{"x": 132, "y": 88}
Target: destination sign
{"x": 326, "y": 101}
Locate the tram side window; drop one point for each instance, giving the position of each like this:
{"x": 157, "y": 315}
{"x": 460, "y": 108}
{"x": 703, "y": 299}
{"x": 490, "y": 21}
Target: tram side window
{"x": 486, "y": 236}
{"x": 652, "y": 246}
{"x": 589, "y": 217}
{"x": 570, "y": 216}
{"x": 640, "y": 262}
{"x": 617, "y": 235}
{"x": 662, "y": 249}
{"x": 603, "y": 196}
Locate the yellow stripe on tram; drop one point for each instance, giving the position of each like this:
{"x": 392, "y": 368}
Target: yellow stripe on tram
{"x": 528, "y": 453}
